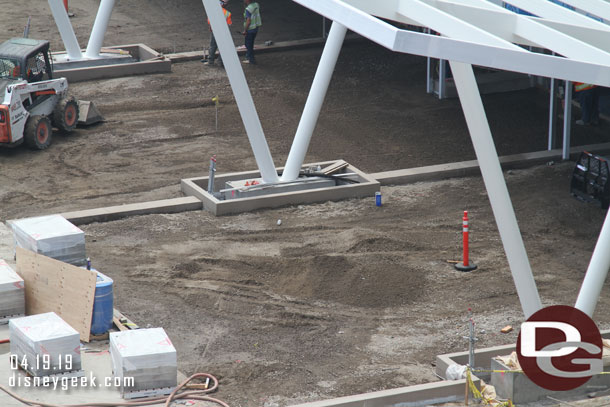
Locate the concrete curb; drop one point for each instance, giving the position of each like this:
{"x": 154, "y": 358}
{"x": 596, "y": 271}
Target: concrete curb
{"x": 471, "y": 168}
{"x": 121, "y": 211}
{"x": 418, "y": 395}
{"x": 261, "y": 48}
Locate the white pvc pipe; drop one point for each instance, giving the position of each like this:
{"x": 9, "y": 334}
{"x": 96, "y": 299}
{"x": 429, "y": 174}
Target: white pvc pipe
{"x": 99, "y": 29}
{"x": 65, "y": 29}
{"x": 596, "y": 273}
{"x": 495, "y": 184}
{"x": 312, "y": 108}
{"x": 243, "y": 98}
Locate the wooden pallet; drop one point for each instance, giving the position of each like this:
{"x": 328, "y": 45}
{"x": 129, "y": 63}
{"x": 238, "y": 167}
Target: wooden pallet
{"x": 136, "y": 394}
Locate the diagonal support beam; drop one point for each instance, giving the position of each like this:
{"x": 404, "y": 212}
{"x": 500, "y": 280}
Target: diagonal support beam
{"x": 495, "y": 184}
{"x": 65, "y": 29}
{"x": 237, "y": 79}
{"x": 596, "y": 273}
{"x": 312, "y": 108}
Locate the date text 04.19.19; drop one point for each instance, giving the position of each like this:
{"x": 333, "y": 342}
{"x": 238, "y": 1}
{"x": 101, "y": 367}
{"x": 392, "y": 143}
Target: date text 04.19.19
{"x": 42, "y": 362}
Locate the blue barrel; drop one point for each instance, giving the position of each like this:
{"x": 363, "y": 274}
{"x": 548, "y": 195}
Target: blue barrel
{"x": 102, "y": 305}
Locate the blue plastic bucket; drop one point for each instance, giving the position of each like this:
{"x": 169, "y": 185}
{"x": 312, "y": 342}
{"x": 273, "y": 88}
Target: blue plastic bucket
{"x": 102, "y": 305}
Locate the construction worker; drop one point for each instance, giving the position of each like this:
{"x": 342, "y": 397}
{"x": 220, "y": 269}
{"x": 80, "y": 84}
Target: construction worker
{"x": 213, "y": 46}
{"x": 588, "y": 96}
{"x": 252, "y": 20}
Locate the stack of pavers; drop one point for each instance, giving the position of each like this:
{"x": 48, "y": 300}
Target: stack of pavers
{"x": 147, "y": 356}
{"x": 12, "y": 293}
{"x": 45, "y": 344}
{"x": 52, "y": 236}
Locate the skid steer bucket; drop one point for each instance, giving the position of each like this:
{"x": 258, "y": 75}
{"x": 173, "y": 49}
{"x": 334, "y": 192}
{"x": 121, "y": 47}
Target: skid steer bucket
{"x": 590, "y": 179}
{"x": 88, "y": 113}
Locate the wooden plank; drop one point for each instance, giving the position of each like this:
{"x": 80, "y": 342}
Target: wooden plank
{"x": 339, "y": 165}
{"x": 54, "y": 286}
{"x": 119, "y": 325}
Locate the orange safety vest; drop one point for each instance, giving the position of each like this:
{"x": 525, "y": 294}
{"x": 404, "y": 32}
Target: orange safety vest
{"x": 227, "y": 16}
{"x": 579, "y": 86}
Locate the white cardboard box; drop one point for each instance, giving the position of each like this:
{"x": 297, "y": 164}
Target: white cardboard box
{"x": 12, "y": 292}
{"x": 45, "y": 344}
{"x": 52, "y": 236}
{"x": 146, "y": 355}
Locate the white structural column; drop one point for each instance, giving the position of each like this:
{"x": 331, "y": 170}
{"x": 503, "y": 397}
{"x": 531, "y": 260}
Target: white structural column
{"x": 552, "y": 114}
{"x": 65, "y": 29}
{"x": 596, "y": 273}
{"x": 495, "y": 184}
{"x": 237, "y": 79}
{"x": 567, "y": 121}
{"x": 99, "y": 29}
{"x": 312, "y": 108}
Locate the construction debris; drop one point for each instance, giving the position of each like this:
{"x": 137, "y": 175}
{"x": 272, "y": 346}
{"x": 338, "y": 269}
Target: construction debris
{"x": 12, "y": 294}
{"x": 44, "y": 345}
{"x": 146, "y": 355}
{"x": 52, "y": 236}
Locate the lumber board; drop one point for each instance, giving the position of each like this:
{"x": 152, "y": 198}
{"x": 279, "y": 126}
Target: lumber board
{"x": 54, "y": 286}
{"x": 339, "y": 165}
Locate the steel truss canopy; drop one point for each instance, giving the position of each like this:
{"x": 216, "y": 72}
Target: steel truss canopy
{"x": 575, "y": 47}
{"x": 479, "y": 32}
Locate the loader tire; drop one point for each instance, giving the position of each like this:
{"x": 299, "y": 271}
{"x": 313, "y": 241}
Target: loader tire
{"x": 65, "y": 114}
{"x": 38, "y": 132}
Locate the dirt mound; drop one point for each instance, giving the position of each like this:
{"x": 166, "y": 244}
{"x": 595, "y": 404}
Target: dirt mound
{"x": 346, "y": 279}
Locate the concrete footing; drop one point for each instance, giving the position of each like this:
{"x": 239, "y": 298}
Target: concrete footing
{"x": 197, "y": 187}
{"x": 147, "y": 61}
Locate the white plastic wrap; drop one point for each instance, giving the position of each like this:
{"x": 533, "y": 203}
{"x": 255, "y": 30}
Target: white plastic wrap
{"x": 147, "y": 355}
{"x": 455, "y": 372}
{"x": 12, "y": 293}
{"x": 52, "y": 236}
{"x": 46, "y": 343}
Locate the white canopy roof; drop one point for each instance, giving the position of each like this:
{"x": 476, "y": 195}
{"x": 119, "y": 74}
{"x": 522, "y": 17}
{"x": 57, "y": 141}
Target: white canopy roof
{"x": 482, "y": 33}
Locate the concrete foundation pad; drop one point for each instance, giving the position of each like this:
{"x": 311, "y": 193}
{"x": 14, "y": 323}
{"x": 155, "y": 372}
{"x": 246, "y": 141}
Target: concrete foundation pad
{"x": 148, "y": 61}
{"x": 146, "y": 208}
{"x": 471, "y": 168}
{"x": 197, "y": 187}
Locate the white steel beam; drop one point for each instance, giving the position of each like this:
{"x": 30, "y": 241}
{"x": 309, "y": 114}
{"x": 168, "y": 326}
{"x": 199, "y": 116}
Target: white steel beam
{"x": 555, "y": 12}
{"x": 593, "y": 36}
{"x": 597, "y": 8}
{"x": 314, "y": 102}
{"x": 568, "y": 40}
{"x": 65, "y": 29}
{"x": 237, "y": 79}
{"x": 495, "y": 184}
{"x": 449, "y": 25}
{"x": 596, "y": 273}
{"x": 100, "y": 26}
{"x": 438, "y": 47}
